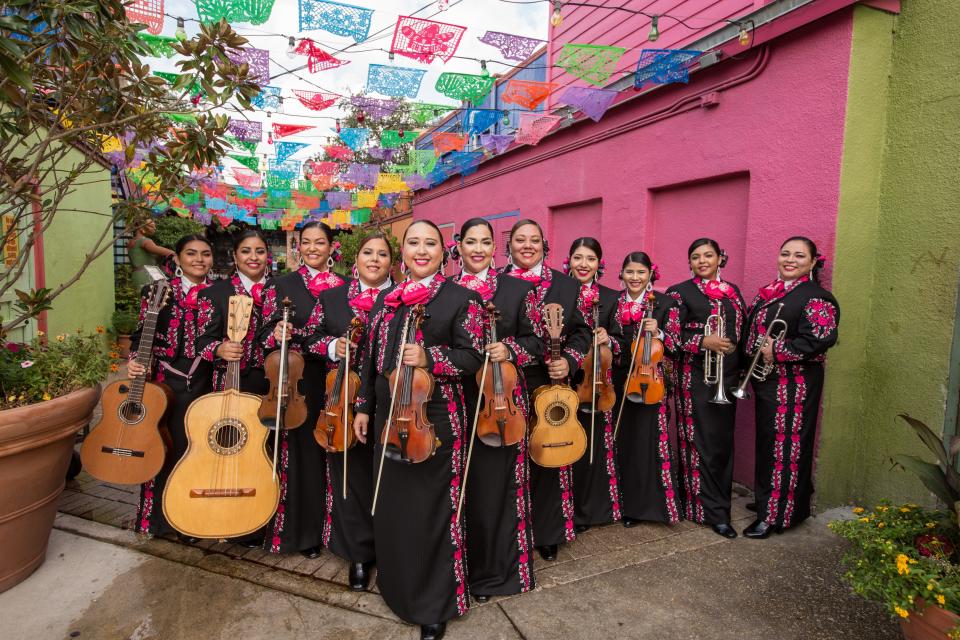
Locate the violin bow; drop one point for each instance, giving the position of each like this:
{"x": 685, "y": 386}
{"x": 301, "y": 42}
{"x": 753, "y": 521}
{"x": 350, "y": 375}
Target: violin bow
{"x": 345, "y": 393}
{"x": 280, "y": 394}
{"x": 393, "y": 399}
{"x": 473, "y": 435}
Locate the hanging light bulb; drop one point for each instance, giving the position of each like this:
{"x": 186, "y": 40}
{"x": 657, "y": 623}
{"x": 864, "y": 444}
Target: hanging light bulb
{"x": 338, "y": 125}
{"x": 506, "y": 117}
{"x": 280, "y": 104}
{"x": 391, "y": 56}
{"x": 270, "y": 137}
{"x": 483, "y": 68}
{"x": 654, "y": 29}
{"x": 744, "y": 35}
{"x": 181, "y": 32}
{"x": 442, "y": 5}
{"x": 556, "y": 19}
{"x": 361, "y": 117}
{"x": 292, "y": 48}
{"x": 400, "y": 133}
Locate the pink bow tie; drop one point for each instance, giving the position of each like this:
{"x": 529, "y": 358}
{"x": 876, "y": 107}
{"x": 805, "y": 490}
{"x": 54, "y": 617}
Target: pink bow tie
{"x": 190, "y": 300}
{"x": 409, "y": 293}
{"x": 527, "y": 275}
{"x": 717, "y": 290}
{"x": 631, "y": 313}
{"x": 323, "y": 281}
{"x": 256, "y": 292}
{"x": 364, "y": 301}
{"x": 474, "y": 283}
{"x": 773, "y": 290}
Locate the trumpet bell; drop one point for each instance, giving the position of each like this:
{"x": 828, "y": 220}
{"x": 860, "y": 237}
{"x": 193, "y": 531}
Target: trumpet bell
{"x": 740, "y": 393}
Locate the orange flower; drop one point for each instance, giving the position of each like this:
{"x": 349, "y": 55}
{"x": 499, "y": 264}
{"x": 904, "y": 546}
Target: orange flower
{"x": 114, "y": 367}
{"x": 100, "y": 328}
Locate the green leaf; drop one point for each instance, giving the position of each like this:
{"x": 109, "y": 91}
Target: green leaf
{"x": 930, "y": 475}
{"x": 13, "y": 70}
{"x": 935, "y": 445}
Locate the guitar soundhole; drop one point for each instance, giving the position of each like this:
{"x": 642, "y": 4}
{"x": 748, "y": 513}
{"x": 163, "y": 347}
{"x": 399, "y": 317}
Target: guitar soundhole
{"x": 227, "y": 437}
{"x": 557, "y": 414}
{"x": 131, "y": 412}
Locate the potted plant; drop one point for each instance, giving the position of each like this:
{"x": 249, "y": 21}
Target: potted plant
{"x": 124, "y": 324}
{"x": 904, "y": 557}
{"x": 48, "y": 390}
{"x": 76, "y": 95}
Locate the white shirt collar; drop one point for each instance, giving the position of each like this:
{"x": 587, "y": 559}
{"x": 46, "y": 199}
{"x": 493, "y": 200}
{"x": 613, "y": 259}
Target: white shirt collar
{"x": 247, "y": 282}
{"x": 426, "y": 281}
{"x": 311, "y": 271}
{"x": 630, "y": 298}
{"x": 482, "y": 275}
{"x": 186, "y": 284}
{"x": 380, "y": 287}
{"x": 537, "y": 269}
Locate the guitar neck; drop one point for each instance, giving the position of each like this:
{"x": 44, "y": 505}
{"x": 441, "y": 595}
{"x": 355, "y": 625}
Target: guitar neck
{"x": 144, "y": 354}
{"x": 555, "y": 352}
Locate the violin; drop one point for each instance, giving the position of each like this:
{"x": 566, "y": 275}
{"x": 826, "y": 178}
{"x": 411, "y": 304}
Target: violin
{"x": 645, "y": 380}
{"x": 412, "y": 438}
{"x": 288, "y": 365}
{"x": 596, "y": 369}
{"x": 500, "y": 423}
{"x": 334, "y": 430}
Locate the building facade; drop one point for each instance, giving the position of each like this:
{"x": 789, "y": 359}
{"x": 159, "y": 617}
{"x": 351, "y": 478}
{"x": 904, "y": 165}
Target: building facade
{"x": 825, "y": 125}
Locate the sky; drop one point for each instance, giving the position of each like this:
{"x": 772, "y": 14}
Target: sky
{"x": 529, "y": 20}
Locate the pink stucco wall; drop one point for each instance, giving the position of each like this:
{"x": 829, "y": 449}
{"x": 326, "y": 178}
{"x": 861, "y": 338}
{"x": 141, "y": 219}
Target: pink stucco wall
{"x": 761, "y": 165}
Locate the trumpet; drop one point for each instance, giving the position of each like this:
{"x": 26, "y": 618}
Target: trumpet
{"x": 775, "y": 331}
{"x": 712, "y": 361}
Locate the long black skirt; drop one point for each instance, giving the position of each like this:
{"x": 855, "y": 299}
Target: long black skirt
{"x": 150, "y": 518}
{"x": 421, "y": 568}
{"x": 497, "y": 511}
{"x": 348, "y": 529}
{"x": 302, "y": 464}
{"x": 596, "y": 493}
{"x": 705, "y": 441}
{"x": 787, "y": 403}
{"x": 645, "y": 462}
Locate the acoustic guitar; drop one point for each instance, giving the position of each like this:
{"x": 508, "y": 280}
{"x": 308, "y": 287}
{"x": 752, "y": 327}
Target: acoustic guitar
{"x": 126, "y": 446}
{"x": 224, "y": 485}
{"x": 557, "y": 438}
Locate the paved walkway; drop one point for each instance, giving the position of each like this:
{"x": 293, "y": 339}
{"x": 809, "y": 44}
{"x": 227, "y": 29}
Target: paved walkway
{"x": 652, "y": 581}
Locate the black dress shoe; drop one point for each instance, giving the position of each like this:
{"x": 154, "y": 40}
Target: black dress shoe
{"x": 548, "y": 552}
{"x": 752, "y": 506}
{"x": 312, "y": 552}
{"x": 433, "y": 631}
{"x": 759, "y": 530}
{"x": 187, "y": 539}
{"x": 481, "y": 599}
{"x": 581, "y": 528}
{"x": 360, "y": 575}
{"x": 724, "y": 530}
{"x": 630, "y": 522}
{"x": 252, "y": 544}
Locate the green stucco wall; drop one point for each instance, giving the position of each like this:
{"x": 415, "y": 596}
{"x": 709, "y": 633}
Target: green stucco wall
{"x": 897, "y": 260}
{"x": 82, "y": 218}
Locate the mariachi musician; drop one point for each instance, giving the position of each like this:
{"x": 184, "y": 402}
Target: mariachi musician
{"x": 644, "y": 452}
{"x": 497, "y": 507}
{"x": 421, "y": 568}
{"x": 596, "y": 492}
{"x": 348, "y": 526}
{"x": 176, "y": 363}
{"x": 552, "y": 489}
{"x": 711, "y": 316}
{"x": 795, "y": 320}
{"x": 298, "y": 523}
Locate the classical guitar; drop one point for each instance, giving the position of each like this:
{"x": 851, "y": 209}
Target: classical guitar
{"x": 126, "y": 446}
{"x": 557, "y": 438}
{"x": 224, "y": 486}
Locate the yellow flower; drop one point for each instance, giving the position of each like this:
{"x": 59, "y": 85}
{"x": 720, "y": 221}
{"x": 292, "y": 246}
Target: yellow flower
{"x": 100, "y": 328}
{"x": 864, "y": 519}
{"x": 46, "y": 396}
{"x": 902, "y": 568}
{"x": 11, "y": 398}
{"x": 904, "y": 509}
{"x": 940, "y": 599}
{"x": 61, "y": 338}
{"x": 40, "y": 334}
{"x": 883, "y": 509}
{"x": 903, "y": 613}
{"x": 931, "y": 525}
{"x": 929, "y": 586}
{"x": 880, "y": 525}
{"x": 858, "y": 510}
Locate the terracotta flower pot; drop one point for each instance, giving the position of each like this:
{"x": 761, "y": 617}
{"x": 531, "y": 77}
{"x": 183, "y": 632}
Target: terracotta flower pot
{"x": 928, "y": 622}
{"x": 35, "y": 446}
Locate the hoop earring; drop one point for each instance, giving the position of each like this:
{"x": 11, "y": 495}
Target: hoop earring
{"x": 300, "y": 259}
{"x": 178, "y": 272}
{"x": 649, "y": 287}
{"x": 403, "y": 269}
{"x": 330, "y": 263}
{"x": 718, "y": 273}
{"x": 493, "y": 263}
